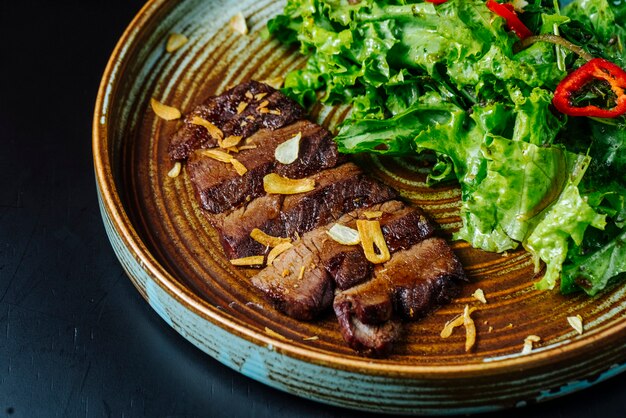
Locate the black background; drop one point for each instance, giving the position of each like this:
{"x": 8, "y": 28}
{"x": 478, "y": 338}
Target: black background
{"x": 76, "y": 338}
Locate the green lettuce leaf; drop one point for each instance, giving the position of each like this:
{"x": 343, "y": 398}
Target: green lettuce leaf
{"x": 522, "y": 181}
{"x": 599, "y": 259}
{"x": 593, "y": 272}
{"x": 567, "y": 219}
{"x": 444, "y": 80}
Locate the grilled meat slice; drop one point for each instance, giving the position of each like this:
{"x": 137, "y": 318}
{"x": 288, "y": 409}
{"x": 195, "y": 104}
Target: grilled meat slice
{"x": 272, "y": 111}
{"x": 345, "y": 265}
{"x": 318, "y": 151}
{"x": 405, "y": 227}
{"x": 410, "y": 285}
{"x": 296, "y": 283}
{"x": 402, "y": 227}
{"x": 238, "y": 111}
{"x": 219, "y": 188}
{"x": 414, "y": 282}
{"x": 337, "y": 191}
{"x": 423, "y": 278}
{"x": 235, "y": 227}
{"x": 369, "y": 340}
{"x": 370, "y": 301}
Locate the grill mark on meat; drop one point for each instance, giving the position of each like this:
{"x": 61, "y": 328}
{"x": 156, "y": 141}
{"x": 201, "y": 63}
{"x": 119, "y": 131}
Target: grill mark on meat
{"x": 410, "y": 285}
{"x": 422, "y": 279}
{"x": 219, "y": 188}
{"x": 287, "y": 112}
{"x": 234, "y": 228}
{"x": 338, "y": 190}
{"x": 304, "y": 296}
{"x": 222, "y": 112}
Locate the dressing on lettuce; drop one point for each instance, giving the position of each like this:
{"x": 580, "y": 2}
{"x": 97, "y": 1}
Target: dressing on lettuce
{"x": 445, "y": 79}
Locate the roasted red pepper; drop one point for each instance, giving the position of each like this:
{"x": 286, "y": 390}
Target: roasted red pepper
{"x": 596, "y": 69}
{"x": 507, "y": 12}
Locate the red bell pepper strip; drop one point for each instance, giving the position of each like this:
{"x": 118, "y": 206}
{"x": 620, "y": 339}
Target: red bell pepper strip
{"x": 507, "y": 12}
{"x": 436, "y": 1}
{"x": 596, "y": 69}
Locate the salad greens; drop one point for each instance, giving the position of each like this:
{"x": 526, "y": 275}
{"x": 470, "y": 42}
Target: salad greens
{"x": 444, "y": 79}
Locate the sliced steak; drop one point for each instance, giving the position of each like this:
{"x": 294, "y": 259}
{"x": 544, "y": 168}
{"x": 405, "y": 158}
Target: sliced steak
{"x": 318, "y": 151}
{"x": 410, "y": 285}
{"x": 219, "y": 188}
{"x": 402, "y": 227}
{"x": 227, "y": 113}
{"x": 271, "y": 111}
{"x": 345, "y": 265}
{"x": 369, "y": 340}
{"x": 422, "y": 278}
{"x": 234, "y": 228}
{"x": 297, "y": 283}
{"x": 337, "y": 191}
{"x": 405, "y": 227}
{"x": 316, "y": 272}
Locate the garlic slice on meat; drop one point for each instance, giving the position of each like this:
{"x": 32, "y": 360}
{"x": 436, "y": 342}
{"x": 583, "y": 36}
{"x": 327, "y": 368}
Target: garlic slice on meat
{"x": 373, "y": 214}
{"x": 344, "y": 235}
{"x": 241, "y": 107}
{"x": 217, "y": 155}
{"x": 267, "y": 240}
{"x": 239, "y": 168}
{"x": 230, "y": 141}
{"x": 278, "y": 250}
{"x": 371, "y": 238}
{"x": 273, "y": 183}
{"x": 225, "y": 157}
{"x": 287, "y": 152}
{"x": 214, "y": 131}
{"x": 255, "y": 260}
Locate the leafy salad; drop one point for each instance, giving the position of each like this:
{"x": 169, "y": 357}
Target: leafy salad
{"x": 472, "y": 83}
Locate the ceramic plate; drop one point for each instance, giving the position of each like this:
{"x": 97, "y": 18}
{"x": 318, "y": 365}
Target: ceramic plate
{"x": 174, "y": 258}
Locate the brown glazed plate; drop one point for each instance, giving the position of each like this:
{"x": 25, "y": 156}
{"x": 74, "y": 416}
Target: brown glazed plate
{"x": 174, "y": 259}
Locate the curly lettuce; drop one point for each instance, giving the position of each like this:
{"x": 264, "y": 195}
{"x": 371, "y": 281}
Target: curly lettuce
{"x": 446, "y": 79}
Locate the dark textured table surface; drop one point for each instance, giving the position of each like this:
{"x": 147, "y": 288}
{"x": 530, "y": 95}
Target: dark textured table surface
{"x": 76, "y": 338}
